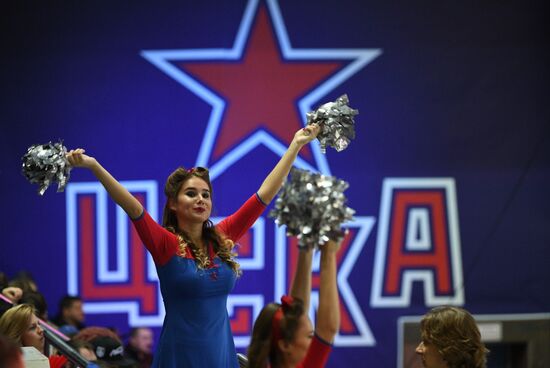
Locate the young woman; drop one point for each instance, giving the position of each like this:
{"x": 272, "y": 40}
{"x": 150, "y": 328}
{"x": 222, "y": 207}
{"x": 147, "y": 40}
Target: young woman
{"x": 283, "y": 335}
{"x": 20, "y": 324}
{"x": 194, "y": 259}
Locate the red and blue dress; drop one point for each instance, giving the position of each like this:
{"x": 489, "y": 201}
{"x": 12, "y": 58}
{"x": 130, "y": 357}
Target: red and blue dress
{"x": 196, "y": 330}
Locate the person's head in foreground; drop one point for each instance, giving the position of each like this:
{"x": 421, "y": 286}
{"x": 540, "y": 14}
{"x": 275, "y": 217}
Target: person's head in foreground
{"x": 10, "y": 353}
{"x": 450, "y": 339}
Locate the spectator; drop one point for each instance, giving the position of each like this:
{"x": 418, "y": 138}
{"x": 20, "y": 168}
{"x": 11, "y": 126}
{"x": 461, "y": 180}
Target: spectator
{"x": 21, "y": 325}
{"x": 70, "y": 318}
{"x": 140, "y": 346}
{"x": 89, "y": 333}
{"x": 24, "y": 281}
{"x": 104, "y": 344}
{"x": 451, "y": 339}
{"x": 37, "y": 300}
{"x": 110, "y": 350}
{"x": 85, "y": 349}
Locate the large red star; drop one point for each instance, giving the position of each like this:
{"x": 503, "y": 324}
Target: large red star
{"x": 260, "y": 90}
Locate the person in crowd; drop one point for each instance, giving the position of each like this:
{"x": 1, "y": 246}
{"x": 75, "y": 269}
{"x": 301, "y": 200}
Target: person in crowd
{"x": 140, "y": 346}
{"x": 25, "y": 281}
{"x": 87, "y": 334}
{"x": 195, "y": 260}
{"x": 20, "y": 324}
{"x": 103, "y": 346}
{"x": 84, "y": 348}
{"x": 10, "y": 353}
{"x": 70, "y": 318}
{"x": 283, "y": 335}
{"x": 37, "y": 300}
{"x": 109, "y": 350}
{"x": 451, "y": 339}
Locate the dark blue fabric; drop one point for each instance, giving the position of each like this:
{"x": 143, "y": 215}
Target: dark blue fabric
{"x": 196, "y": 330}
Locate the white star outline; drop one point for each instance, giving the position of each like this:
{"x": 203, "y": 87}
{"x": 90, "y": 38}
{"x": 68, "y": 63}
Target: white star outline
{"x": 162, "y": 59}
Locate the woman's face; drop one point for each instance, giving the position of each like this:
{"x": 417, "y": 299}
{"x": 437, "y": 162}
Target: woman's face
{"x": 34, "y": 335}
{"x": 297, "y": 349}
{"x": 193, "y": 203}
{"x": 431, "y": 357}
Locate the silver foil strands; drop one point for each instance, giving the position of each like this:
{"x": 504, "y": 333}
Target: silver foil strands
{"x": 313, "y": 208}
{"x": 46, "y": 163}
{"x": 336, "y": 122}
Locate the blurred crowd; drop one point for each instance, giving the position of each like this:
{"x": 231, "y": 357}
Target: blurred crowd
{"x": 24, "y": 315}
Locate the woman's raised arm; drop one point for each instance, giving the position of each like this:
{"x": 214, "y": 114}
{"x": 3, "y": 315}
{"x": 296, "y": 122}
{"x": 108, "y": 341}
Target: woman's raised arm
{"x": 118, "y": 193}
{"x": 301, "y": 285}
{"x": 328, "y": 314}
{"x": 274, "y": 181}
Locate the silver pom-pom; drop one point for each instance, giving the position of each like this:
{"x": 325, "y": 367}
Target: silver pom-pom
{"x": 313, "y": 208}
{"x": 46, "y": 163}
{"x": 336, "y": 122}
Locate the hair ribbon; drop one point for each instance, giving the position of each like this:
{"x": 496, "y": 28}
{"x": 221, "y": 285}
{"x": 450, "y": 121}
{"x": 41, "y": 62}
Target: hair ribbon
{"x": 286, "y": 303}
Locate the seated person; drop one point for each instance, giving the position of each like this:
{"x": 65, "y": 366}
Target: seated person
{"x": 451, "y": 339}
{"x": 20, "y": 324}
{"x": 140, "y": 346}
{"x": 70, "y": 318}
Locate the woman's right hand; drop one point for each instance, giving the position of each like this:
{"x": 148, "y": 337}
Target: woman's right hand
{"x": 306, "y": 134}
{"x": 77, "y": 158}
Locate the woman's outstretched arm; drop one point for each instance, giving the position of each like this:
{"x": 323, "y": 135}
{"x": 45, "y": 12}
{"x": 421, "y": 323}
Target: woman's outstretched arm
{"x": 274, "y": 181}
{"x": 118, "y": 193}
{"x": 328, "y": 314}
{"x": 301, "y": 285}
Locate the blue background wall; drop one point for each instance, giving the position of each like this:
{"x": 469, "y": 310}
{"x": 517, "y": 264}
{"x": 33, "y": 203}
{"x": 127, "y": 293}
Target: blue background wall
{"x": 454, "y": 91}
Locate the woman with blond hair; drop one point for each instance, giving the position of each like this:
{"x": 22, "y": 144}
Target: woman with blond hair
{"x": 20, "y": 324}
{"x": 451, "y": 339}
